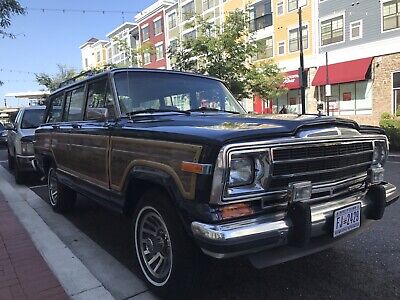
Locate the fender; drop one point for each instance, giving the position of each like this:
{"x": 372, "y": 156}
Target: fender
{"x": 157, "y": 177}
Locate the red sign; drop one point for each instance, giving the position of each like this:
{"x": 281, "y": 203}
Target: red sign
{"x": 292, "y": 80}
{"x": 347, "y": 96}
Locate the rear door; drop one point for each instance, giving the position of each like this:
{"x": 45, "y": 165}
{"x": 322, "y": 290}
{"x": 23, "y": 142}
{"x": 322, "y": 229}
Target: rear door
{"x": 90, "y": 138}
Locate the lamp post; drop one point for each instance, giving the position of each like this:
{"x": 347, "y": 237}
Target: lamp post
{"x": 302, "y": 3}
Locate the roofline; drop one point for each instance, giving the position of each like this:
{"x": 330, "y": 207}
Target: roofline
{"x": 99, "y": 42}
{"x": 156, "y": 7}
{"x": 120, "y": 27}
{"x": 146, "y": 70}
{"x": 88, "y": 42}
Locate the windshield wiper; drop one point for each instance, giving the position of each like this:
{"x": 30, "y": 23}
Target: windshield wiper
{"x": 156, "y": 110}
{"x": 204, "y": 109}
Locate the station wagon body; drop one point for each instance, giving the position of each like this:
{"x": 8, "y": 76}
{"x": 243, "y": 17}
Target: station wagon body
{"x": 198, "y": 175}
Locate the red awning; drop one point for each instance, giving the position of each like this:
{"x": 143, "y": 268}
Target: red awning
{"x": 292, "y": 79}
{"x": 349, "y": 71}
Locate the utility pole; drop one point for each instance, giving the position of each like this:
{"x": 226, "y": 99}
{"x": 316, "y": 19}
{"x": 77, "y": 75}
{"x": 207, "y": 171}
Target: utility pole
{"x": 327, "y": 86}
{"x": 301, "y": 70}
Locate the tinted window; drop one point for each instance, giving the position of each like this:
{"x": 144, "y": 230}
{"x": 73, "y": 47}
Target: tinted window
{"x": 74, "y": 105}
{"x": 32, "y": 118}
{"x": 100, "y": 104}
{"x": 55, "y": 110}
{"x": 143, "y": 90}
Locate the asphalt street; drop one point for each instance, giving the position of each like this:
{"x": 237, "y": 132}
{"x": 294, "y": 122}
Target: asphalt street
{"x": 364, "y": 267}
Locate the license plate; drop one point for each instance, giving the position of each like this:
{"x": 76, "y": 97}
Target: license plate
{"x": 346, "y": 219}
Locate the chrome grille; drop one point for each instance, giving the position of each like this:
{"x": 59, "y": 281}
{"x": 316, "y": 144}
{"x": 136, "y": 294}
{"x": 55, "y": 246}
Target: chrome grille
{"x": 319, "y": 163}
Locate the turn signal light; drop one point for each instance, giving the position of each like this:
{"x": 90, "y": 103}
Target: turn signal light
{"x": 196, "y": 168}
{"x": 236, "y": 211}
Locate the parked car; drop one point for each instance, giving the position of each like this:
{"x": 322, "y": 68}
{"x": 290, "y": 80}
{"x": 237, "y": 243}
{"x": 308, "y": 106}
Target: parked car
{"x": 20, "y": 141}
{"x": 3, "y": 135}
{"x": 198, "y": 176}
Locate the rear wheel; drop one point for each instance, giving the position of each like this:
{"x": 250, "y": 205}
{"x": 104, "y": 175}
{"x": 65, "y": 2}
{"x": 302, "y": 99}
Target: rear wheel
{"x": 10, "y": 160}
{"x": 62, "y": 198}
{"x": 168, "y": 259}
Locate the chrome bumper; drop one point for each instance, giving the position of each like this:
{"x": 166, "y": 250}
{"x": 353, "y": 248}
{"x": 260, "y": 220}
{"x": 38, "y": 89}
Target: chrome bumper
{"x": 265, "y": 232}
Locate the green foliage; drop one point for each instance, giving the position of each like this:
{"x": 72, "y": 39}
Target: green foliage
{"x": 226, "y": 53}
{"x": 8, "y": 8}
{"x": 52, "y": 82}
{"x": 391, "y": 125}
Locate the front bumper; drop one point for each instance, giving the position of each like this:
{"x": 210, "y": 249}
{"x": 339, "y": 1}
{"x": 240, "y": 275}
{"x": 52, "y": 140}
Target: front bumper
{"x": 25, "y": 163}
{"x": 277, "y": 231}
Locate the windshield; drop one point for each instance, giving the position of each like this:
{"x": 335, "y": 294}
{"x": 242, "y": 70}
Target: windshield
{"x": 32, "y": 118}
{"x": 138, "y": 91}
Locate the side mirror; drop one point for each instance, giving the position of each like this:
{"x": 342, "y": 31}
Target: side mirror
{"x": 9, "y": 126}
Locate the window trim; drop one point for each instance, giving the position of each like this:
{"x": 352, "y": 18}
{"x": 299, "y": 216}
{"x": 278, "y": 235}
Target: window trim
{"x": 141, "y": 32}
{"x": 176, "y": 18}
{"x": 157, "y": 45}
{"x": 154, "y": 26}
{"x": 283, "y": 8}
{"x": 294, "y": 10}
{"x": 284, "y": 48}
{"x": 308, "y": 37}
{"x": 381, "y": 15}
{"x": 332, "y": 16}
{"x": 351, "y": 38}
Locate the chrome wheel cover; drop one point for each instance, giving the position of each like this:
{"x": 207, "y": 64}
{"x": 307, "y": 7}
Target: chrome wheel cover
{"x": 153, "y": 246}
{"x": 52, "y": 184}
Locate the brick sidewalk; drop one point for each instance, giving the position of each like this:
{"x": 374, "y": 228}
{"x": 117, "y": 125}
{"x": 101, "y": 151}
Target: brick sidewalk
{"x": 23, "y": 272}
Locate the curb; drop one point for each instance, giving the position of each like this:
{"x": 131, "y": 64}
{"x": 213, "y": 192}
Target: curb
{"x": 77, "y": 281}
{"x": 394, "y": 157}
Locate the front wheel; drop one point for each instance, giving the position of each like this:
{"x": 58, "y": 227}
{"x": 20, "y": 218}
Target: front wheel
{"x": 62, "y": 198}
{"x": 167, "y": 257}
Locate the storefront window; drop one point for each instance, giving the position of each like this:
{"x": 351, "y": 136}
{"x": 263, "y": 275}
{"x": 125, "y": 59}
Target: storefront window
{"x": 289, "y": 102}
{"x": 354, "y": 98}
{"x": 396, "y": 93}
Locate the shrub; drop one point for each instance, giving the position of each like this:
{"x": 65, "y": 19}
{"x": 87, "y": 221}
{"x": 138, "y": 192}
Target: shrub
{"x": 391, "y": 125}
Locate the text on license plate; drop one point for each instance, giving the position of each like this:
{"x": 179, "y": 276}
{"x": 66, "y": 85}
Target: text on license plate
{"x": 346, "y": 219}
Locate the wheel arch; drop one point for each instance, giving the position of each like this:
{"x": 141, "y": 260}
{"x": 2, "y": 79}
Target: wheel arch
{"x": 142, "y": 179}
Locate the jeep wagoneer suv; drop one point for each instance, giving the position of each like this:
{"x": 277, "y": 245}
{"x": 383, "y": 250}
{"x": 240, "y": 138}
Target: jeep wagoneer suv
{"x": 198, "y": 176}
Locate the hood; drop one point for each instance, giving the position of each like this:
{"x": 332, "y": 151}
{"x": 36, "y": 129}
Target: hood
{"x": 222, "y": 128}
{"x": 27, "y": 132}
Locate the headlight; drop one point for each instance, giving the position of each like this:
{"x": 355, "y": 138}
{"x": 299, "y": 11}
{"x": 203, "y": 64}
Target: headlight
{"x": 380, "y": 153}
{"x": 241, "y": 171}
{"x": 26, "y": 148}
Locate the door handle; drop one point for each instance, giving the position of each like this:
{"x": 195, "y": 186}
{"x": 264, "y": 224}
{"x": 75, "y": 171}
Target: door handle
{"x": 56, "y": 126}
{"x": 76, "y": 126}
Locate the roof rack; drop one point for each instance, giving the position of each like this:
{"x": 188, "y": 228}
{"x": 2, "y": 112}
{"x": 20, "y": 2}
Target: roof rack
{"x": 84, "y": 75}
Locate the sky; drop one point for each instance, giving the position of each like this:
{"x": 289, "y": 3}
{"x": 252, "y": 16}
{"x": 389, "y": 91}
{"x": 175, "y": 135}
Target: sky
{"x": 44, "y": 40}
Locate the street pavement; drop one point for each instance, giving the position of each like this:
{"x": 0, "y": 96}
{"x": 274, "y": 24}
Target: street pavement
{"x": 364, "y": 267}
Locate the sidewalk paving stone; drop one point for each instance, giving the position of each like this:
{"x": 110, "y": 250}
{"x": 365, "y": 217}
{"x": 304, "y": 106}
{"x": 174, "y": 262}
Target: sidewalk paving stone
{"x": 23, "y": 272}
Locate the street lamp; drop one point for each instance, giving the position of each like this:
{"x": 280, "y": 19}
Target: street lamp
{"x": 300, "y": 4}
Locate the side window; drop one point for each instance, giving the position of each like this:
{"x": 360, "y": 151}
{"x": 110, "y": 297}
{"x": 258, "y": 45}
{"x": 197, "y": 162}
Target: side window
{"x": 74, "y": 105}
{"x": 55, "y": 111}
{"x": 100, "y": 104}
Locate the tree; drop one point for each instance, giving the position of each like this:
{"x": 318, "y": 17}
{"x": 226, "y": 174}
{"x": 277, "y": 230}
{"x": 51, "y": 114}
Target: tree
{"x": 52, "y": 82}
{"x": 226, "y": 52}
{"x": 8, "y": 8}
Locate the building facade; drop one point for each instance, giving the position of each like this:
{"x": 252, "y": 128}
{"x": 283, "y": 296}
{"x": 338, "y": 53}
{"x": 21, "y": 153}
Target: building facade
{"x": 362, "y": 41}
{"x": 151, "y": 24}
{"x": 93, "y": 53}
{"x": 122, "y": 46}
{"x": 358, "y": 40}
